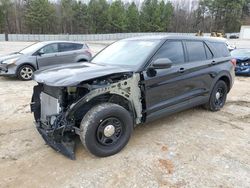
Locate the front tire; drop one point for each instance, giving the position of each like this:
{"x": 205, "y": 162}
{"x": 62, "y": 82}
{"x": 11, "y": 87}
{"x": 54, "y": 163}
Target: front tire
{"x": 105, "y": 129}
{"x": 218, "y": 96}
{"x": 25, "y": 72}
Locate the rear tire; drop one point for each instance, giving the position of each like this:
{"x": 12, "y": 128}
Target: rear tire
{"x": 218, "y": 96}
{"x": 82, "y": 60}
{"x": 106, "y": 129}
{"x": 25, "y": 72}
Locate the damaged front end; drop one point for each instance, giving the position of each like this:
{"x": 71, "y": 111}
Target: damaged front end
{"x": 59, "y": 110}
{"x": 50, "y": 119}
{"x": 242, "y": 68}
{"x": 3, "y": 67}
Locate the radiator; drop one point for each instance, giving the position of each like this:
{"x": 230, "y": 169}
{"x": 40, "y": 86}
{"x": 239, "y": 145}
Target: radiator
{"x": 49, "y": 106}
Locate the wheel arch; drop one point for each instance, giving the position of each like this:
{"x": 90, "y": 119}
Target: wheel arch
{"x": 224, "y": 76}
{"x": 23, "y": 64}
{"x": 82, "y": 60}
{"x": 105, "y": 97}
{"x": 227, "y": 81}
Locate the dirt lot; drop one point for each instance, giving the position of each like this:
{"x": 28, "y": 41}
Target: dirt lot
{"x": 194, "y": 148}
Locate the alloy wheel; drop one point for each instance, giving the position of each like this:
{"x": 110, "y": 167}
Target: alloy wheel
{"x": 26, "y": 73}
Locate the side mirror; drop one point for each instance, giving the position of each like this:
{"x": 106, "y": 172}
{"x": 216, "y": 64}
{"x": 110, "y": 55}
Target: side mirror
{"x": 162, "y": 63}
{"x": 40, "y": 53}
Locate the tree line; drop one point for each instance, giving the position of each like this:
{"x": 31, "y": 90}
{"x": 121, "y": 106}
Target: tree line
{"x": 101, "y": 16}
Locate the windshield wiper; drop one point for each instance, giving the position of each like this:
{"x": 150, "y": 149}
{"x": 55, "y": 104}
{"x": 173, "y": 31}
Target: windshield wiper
{"x": 18, "y": 53}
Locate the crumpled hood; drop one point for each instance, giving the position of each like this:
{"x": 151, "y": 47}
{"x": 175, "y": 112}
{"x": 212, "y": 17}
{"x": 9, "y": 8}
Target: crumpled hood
{"x": 242, "y": 59}
{"x": 73, "y": 74}
{"x": 9, "y": 56}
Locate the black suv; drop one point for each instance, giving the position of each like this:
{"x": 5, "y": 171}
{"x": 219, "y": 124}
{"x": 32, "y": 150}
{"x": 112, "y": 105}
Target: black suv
{"x": 130, "y": 82}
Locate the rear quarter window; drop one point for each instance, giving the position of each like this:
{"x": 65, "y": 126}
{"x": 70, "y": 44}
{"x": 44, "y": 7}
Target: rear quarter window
{"x": 221, "y": 49}
{"x": 79, "y": 46}
{"x": 64, "y": 47}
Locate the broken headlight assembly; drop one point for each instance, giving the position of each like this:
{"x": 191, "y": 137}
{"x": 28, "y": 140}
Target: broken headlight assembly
{"x": 10, "y": 61}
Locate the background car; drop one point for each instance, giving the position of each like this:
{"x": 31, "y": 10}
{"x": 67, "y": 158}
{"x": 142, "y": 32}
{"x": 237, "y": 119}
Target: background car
{"x": 234, "y": 35}
{"x": 230, "y": 47}
{"x": 23, "y": 64}
{"x": 242, "y": 57}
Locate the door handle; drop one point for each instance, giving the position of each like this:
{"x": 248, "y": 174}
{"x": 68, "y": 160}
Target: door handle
{"x": 181, "y": 70}
{"x": 213, "y": 62}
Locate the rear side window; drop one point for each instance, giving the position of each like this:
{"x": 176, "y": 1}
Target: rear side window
{"x": 172, "y": 50}
{"x": 64, "y": 47}
{"x": 196, "y": 51}
{"x": 221, "y": 49}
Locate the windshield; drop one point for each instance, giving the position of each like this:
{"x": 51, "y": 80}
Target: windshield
{"x": 130, "y": 53}
{"x": 241, "y": 53}
{"x": 32, "y": 48}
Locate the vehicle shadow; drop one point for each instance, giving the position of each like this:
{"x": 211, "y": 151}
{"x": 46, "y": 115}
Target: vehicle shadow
{"x": 11, "y": 78}
{"x": 7, "y": 78}
{"x": 142, "y": 133}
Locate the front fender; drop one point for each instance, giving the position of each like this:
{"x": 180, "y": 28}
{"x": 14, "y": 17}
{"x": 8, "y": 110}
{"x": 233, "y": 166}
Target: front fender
{"x": 128, "y": 89}
{"x": 25, "y": 63}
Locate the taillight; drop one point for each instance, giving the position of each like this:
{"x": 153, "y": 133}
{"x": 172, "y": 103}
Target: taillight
{"x": 233, "y": 61}
{"x": 88, "y": 51}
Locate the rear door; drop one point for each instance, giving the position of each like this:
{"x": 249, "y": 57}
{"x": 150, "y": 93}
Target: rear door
{"x": 221, "y": 61}
{"x": 48, "y": 55}
{"x": 199, "y": 66}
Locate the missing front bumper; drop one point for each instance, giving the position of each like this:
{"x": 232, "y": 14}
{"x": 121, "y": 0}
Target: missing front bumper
{"x": 61, "y": 135}
{"x": 62, "y": 143}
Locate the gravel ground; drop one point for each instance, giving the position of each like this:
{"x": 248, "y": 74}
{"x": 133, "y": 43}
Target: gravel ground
{"x": 194, "y": 148}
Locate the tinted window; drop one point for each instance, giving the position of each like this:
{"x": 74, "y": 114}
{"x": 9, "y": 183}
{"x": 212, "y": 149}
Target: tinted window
{"x": 221, "y": 49}
{"x": 208, "y": 52}
{"x": 78, "y": 46}
{"x": 64, "y": 47}
{"x": 196, "y": 51}
{"x": 51, "y": 48}
{"x": 172, "y": 50}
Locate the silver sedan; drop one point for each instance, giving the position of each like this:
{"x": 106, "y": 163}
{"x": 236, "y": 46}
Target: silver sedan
{"x": 42, "y": 54}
